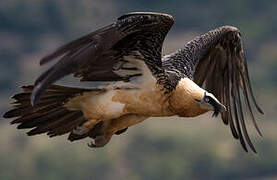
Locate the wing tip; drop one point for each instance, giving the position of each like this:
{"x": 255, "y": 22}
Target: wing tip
{"x": 253, "y": 149}
{"x": 244, "y": 146}
{"x": 260, "y": 110}
{"x": 43, "y": 61}
{"x": 257, "y": 128}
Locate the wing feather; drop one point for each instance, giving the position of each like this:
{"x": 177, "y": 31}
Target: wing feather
{"x": 215, "y": 60}
{"x": 231, "y": 67}
{"x": 93, "y": 57}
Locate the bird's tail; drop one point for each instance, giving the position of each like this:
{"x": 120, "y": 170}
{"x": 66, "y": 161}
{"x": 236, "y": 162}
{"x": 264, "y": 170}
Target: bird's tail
{"x": 49, "y": 115}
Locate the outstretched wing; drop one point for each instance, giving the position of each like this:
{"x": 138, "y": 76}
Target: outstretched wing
{"x": 101, "y": 55}
{"x": 216, "y": 61}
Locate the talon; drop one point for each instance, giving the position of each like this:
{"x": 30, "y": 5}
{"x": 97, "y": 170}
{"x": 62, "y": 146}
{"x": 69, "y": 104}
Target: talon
{"x": 99, "y": 141}
{"x": 91, "y": 144}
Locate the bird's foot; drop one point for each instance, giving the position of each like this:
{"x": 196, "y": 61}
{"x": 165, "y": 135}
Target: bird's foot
{"x": 99, "y": 141}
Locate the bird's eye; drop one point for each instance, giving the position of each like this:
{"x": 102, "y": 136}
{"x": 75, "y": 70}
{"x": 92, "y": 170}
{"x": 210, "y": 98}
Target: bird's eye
{"x": 206, "y": 99}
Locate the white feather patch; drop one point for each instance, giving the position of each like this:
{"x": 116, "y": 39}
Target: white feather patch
{"x": 105, "y": 103}
{"x": 143, "y": 69}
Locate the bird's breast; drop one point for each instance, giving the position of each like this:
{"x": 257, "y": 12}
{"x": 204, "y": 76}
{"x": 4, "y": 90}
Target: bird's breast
{"x": 149, "y": 100}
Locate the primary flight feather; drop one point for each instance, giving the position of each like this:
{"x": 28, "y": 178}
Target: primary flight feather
{"x": 208, "y": 74}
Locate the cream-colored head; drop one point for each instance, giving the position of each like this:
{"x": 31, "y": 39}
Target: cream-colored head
{"x": 210, "y": 102}
{"x": 189, "y": 100}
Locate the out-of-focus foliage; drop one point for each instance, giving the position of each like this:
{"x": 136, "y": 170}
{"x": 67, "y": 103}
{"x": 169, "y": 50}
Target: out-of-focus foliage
{"x": 159, "y": 148}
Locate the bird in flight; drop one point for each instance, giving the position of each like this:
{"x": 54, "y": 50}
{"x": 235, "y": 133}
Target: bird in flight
{"x": 208, "y": 74}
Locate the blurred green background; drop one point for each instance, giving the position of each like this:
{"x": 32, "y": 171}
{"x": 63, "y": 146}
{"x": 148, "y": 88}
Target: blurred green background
{"x": 159, "y": 148}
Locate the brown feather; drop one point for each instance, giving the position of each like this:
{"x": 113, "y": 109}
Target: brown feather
{"x": 94, "y": 56}
{"x": 52, "y": 116}
{"x": 49, "y": 115}
{"x": 75, "y": 120}
{"x": 227, "y": 64}
{"x": 241, "y": 116}
{"x": 249, "y": 106}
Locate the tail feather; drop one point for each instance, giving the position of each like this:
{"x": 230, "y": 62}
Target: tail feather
{"x": 73, "y": 122}
{"x": 63, "y": 128}
{"x": 49, "y": 115}
{"x": 46, "y": 119}
{"x": 34, "y": 115}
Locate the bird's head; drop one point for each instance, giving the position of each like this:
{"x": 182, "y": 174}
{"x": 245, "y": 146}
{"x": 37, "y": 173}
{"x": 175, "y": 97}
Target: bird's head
{"x": 210, "y": 103}
{"x": 189, "y": 100}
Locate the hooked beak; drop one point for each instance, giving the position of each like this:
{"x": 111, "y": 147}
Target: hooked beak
{"x": 219, "y": 108}
{"x": 222, "y": 108}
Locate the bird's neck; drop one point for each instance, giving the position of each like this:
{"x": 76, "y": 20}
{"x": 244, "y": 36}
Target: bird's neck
{"x": 182, "y": 100}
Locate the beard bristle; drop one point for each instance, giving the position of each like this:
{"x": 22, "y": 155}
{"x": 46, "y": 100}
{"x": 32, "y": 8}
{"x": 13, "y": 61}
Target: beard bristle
{"x": 215, "y": 114}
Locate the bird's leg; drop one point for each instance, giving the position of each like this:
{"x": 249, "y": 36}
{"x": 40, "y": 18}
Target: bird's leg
{"x": 124, "y": 122}
{"x": 112, "y": 126}
{"x": 101, "y": 136}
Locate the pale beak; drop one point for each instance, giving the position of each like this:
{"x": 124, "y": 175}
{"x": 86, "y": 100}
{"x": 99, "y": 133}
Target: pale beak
{"x": 218, "y": 108}
{"x": 222, "y": 108}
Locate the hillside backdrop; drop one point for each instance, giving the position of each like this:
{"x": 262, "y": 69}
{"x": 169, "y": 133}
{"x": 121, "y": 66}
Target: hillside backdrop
{"x": 159, "y": 148}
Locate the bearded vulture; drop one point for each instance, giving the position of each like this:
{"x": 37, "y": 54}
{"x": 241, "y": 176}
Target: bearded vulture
{"x": 208, "y": 74}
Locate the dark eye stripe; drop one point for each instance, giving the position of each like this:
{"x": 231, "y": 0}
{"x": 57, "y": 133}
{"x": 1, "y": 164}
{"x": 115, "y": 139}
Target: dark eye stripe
{"x": 212, "y": 102}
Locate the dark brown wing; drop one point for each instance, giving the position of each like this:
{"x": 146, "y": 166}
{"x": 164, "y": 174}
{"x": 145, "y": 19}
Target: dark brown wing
{"x": 99, "y": 55}
{"x": 223, "y": 72}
